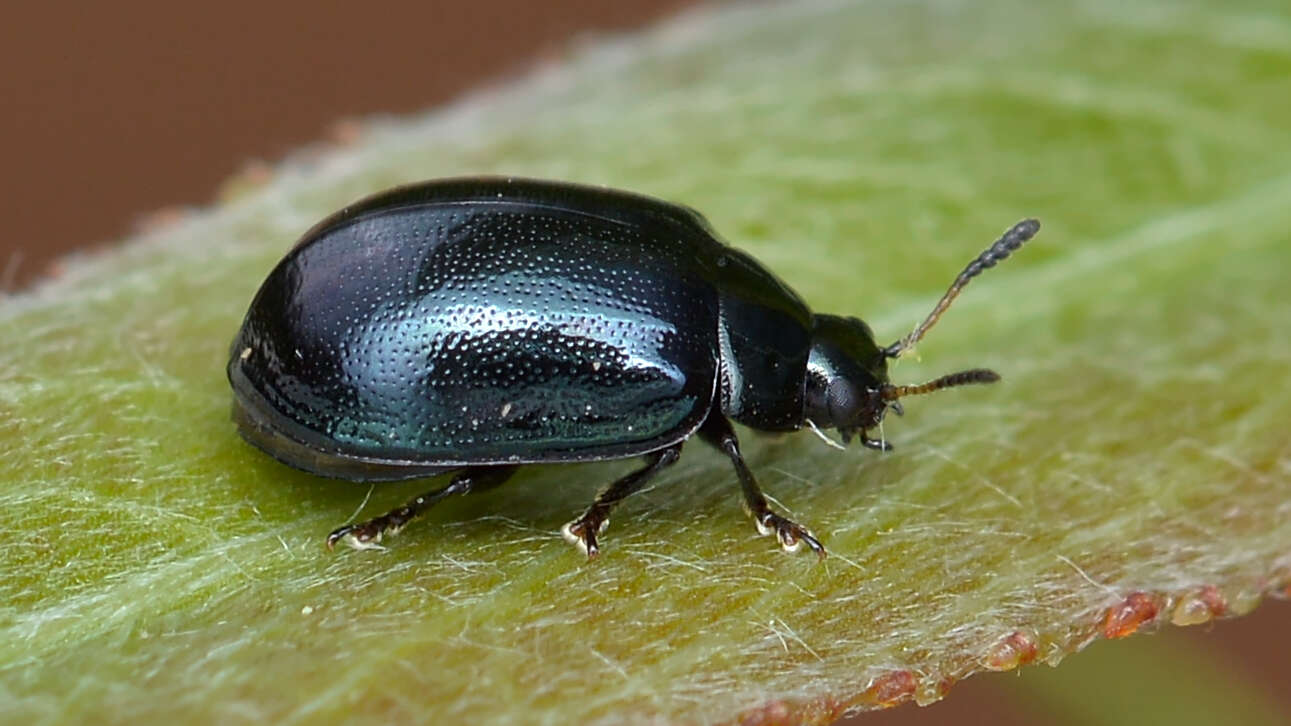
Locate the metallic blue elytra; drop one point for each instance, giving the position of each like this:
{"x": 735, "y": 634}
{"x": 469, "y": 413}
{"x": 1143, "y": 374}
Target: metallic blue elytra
{"x": 474, "y": 325}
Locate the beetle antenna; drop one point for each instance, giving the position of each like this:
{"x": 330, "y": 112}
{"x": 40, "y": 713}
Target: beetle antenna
{"x": 1003, "y": 247}
{"x": 962, "y": 378}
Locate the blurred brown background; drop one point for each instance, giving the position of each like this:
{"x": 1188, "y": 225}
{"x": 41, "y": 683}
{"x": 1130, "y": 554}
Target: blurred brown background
{"x": 224, "y": 85}
{"x": 117, "y": 110}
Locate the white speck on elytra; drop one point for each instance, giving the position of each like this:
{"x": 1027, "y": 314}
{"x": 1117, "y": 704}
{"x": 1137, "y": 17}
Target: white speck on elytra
{"x": 506, "y": 409}
{"x": 246, "y": 353}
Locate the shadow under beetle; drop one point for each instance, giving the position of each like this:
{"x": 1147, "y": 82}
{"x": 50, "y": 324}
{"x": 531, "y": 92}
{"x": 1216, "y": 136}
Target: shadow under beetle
{"x": 474, "y": 325}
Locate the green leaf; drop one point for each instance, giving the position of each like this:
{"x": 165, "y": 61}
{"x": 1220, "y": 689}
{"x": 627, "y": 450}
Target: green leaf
{"x": 1130, "y": 470}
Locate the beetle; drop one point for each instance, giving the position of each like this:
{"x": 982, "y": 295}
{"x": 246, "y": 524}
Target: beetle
{"x": 474, "y": 325}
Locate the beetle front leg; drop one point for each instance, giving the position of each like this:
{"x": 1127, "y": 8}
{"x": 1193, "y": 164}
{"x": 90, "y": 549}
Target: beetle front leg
{"x": 367, "y": 535}
{"x": 582, "y": 532}
{"x": 718, "y": 432}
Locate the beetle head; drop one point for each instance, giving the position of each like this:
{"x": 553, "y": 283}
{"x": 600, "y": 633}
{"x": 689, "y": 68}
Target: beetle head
{"x": 847, "y": 374}
{"x": 847, "y": 378}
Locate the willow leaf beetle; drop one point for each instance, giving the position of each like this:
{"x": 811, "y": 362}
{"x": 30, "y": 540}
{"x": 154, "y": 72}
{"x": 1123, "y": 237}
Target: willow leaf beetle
{"x": 475, "y": 325}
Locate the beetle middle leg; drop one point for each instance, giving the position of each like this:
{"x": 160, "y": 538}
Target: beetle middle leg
{"x": 366, "y": 535}
{"x": 582, "y": 532}
{"x": 718, "y": 432}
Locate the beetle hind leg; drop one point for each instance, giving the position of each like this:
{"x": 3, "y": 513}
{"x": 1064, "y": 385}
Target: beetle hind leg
{"x": 718, "y": 432}
{"x": 367, "y": 535}
{"x": 582, "y": 532}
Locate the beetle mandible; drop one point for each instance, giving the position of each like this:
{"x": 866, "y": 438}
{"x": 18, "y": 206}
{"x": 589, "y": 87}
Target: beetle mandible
{"x": 474, "y": 325}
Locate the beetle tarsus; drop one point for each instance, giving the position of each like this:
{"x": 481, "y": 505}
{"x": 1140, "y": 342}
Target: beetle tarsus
{"x": 367, "y": 535}
{"x": 579, "y": 534}
{"x": 791, "y": 535}
{"x": 364, "y": 536}
{"x": 582, "y": 532}
{"x": 876, "y": 444}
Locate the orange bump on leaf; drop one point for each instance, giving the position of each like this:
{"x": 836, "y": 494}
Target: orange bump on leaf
{"x": 1200, "y": 606}
{"x": 1018, "y": 648}
{"x": 772, "y": 713}
{"x": 892, "y": 688}
{"x": 1125, "y": 618}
